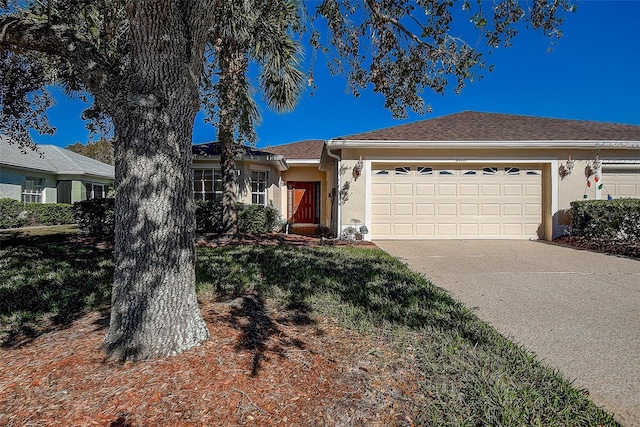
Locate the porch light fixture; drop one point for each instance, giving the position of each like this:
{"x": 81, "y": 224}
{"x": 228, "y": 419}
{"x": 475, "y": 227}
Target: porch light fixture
{"x": 566, "y": 170}
{"x": 357, "y": 169}
{"x": 596, "y": 164}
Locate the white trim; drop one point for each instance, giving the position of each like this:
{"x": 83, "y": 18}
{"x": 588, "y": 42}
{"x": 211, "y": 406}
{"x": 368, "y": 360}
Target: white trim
{"x": 367, "y": 198}
{"x": 556, "y": 229}
{"x": 303, "y": 161}
{"x": 460, "y": 161}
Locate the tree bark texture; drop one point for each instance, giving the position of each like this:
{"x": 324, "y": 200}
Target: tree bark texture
{"x": 154, "y": 310}
{"x": 232, "y": 67}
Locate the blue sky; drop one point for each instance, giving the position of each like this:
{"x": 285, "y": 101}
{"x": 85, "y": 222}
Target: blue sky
{"x": 592, "y": 73}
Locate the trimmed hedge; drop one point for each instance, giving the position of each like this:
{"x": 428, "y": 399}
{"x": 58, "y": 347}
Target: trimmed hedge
{"x": 617, "y": 219}
{"x": 14, "y": 213}
{"x": 252, "y": 219}
{"x": 96, "y": 217}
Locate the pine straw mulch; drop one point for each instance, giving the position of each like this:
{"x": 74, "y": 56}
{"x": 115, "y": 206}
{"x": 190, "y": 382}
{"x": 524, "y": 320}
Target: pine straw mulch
{"x": 260, "y": 367}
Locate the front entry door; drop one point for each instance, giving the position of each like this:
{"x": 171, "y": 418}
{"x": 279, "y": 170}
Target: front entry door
{"x": 303, "y": 199}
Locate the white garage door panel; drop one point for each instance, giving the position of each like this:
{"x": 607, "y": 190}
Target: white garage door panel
{"x": 620, "y": 184}
{"x": 447, "y": 201}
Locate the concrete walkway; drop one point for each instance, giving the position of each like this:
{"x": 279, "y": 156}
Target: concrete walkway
{"x": 579, "y": 311}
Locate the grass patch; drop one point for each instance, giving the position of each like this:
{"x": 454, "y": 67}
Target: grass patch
{"x": 468, "y": 374}
{"x": 47, "y": 282}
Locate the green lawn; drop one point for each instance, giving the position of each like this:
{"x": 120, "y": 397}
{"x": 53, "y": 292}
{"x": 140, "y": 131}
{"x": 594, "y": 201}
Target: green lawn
{"x": 469, "y": 374}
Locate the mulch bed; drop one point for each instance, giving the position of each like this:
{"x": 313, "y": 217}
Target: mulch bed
{"x": 621, "y": 248}
{"x": 260, "y": 367}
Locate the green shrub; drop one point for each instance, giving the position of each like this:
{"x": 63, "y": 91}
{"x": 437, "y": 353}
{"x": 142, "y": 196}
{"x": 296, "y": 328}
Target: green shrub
{"x": 10, "y": 213}
{"x": 252, "y": 219}
{"x": 96, "y": 217}
{"x": 14, "y": 213}
{"x": 208, "y": 216}
{"x": 617, "y": 219}
{"x": 52, "y": 213}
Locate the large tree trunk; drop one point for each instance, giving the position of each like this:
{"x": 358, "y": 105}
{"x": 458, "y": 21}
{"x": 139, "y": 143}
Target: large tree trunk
{"x": 154, "y": 310}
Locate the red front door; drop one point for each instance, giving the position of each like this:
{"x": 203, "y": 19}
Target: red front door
{"x": 303, "y": 202}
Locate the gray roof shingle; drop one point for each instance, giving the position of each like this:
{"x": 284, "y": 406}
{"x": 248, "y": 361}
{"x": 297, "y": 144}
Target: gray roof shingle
{"x": 477, "y": 126}
{"x": 52, "y": 159}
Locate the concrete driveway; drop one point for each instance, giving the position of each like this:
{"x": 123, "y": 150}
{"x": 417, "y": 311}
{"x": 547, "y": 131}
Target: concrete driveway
{"x": 579, "y": 311}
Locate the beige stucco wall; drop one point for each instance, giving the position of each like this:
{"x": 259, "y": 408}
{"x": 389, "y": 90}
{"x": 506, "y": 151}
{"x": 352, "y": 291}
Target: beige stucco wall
{"x": 353, "y": 194}
{"x": 244, "y": 180}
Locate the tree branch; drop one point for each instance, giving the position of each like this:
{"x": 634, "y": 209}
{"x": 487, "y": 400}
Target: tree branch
{"x": 375, "y": 9}
{"x": 19, "y": 35}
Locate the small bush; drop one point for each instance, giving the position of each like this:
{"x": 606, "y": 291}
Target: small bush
{"x": 10, "y": 212}
{"x": 252, "y": 219}
{"x": 96, "y": 217}
{"x": 14, "y": 213}
{"x": 208, "y": 216}
{"x": 52, "y": 213}
{"x": 617, "y": 219}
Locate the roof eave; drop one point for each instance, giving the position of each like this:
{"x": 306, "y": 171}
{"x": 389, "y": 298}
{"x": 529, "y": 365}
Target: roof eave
{"x": 346, "y": 143}
{"x": 277, "y": 160}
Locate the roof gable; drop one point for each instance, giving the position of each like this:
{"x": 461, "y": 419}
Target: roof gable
{"x": 309, "y": 149}
{"x": 477, "y": 126}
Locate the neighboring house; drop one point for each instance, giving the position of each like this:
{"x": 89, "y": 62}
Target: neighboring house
{"x": 51, "y": 175}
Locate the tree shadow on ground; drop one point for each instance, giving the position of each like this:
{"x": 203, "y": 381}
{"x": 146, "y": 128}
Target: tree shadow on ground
{"x": 48, "y": 282}
{"x": 250, "y": 316}
{"x": 376, "y": 287}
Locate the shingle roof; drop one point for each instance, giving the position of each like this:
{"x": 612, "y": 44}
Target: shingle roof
{"x": 213, "y": 149}
{"x": 53, "y": 159}
{"x": 476, "y": 126}
{"x": 309, "y": 149}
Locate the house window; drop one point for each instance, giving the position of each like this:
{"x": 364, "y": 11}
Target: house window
{"x": 259, "y": 188}
{"x": 95, "y": 191}
{"x": 32, "y": 190}
{"x": 403, "y": 170}
{"x": 445, "y": 173}
{"x": 423, "y": 170}
{"x": 511, "y": 171}
{"x": 470, "y": 173}
{"x": 207, "y": 184}
{"x": 382, "y": 172}
{"x": 533, "y": 173}
{"x": 490, "y": 171}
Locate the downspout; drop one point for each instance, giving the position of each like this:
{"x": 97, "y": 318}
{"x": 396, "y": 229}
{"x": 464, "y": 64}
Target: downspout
{"x": 337, "y": 198}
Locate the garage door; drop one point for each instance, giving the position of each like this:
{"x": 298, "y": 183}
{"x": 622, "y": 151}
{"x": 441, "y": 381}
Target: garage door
{"x": 620, "y": 181}
{"x": 413, "y": 201}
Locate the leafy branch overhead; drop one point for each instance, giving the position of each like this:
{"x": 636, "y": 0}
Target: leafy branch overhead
{"x": 403, "y": 47}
